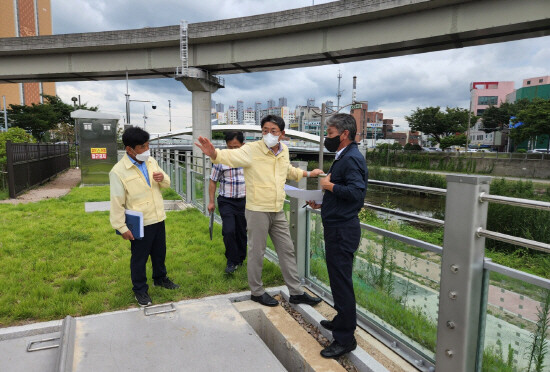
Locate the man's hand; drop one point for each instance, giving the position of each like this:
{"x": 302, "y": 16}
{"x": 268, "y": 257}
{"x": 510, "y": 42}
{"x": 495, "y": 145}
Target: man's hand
{"x": 313, "y": 205}
{"x": 315, "y": 172}
{"x": 207, "y": 147}
{"x": 158, "y": 176}
{"x": 211, "y": 207}
{"x": 326, "y": 184}
{"x": 128, "y": 235}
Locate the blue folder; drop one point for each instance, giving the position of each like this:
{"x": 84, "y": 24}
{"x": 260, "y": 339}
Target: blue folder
{"x": 134, "y": 222}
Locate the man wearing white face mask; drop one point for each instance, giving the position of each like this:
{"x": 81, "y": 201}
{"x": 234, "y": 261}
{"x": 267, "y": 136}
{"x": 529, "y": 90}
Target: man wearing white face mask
{"x": 266, "y": 167}
{"x": 135, "y": 182}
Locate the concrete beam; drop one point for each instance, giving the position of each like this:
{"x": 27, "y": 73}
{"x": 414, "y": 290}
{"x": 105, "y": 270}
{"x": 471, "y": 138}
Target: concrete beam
{"x": 337, "y": 32}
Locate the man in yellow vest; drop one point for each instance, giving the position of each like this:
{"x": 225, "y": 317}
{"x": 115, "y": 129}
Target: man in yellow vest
{"x": 136, "y": 181}
{"x": 266, "y": 166}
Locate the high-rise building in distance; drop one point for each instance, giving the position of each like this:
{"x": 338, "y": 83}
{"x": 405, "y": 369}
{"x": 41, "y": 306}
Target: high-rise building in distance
{"x": 240, "y": 111}
{"x": 282, "y": 102}
{"x": 20, "y": 18}
{"x": 270, "y": 103}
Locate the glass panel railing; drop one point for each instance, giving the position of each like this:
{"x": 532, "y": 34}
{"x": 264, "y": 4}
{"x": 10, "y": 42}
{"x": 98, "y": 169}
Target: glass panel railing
{"x": 183, "y": 180}
{"x": 517, "y": 326}
{"x": 396, "y": 285}
{"x": 198, "y": 189}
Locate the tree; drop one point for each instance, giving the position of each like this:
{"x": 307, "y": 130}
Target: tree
{"x": 411, "y": 147}
{"x": 53, "y": 115}
{"x": 36, "y": 119}
{"x": 456, "y": 140}
{"x": 495, "y": 118}
{"x": 15, "y": 135}
{"x": 536, "y": 120}
{"x": 438, "y": 124}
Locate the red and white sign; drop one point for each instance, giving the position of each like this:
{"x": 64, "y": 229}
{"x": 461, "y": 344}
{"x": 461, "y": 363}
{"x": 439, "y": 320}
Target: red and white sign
{"x": 99, "y": 153}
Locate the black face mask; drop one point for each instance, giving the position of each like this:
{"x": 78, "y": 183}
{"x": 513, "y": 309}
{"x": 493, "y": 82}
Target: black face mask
{"x": 332, "y": 143}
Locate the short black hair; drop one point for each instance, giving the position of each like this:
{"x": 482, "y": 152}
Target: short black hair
{"x": 343, "y": 122}
{"x": 134, "y": 136}
{"x": 229, "y": 136}
{"x": 277, "y": 120}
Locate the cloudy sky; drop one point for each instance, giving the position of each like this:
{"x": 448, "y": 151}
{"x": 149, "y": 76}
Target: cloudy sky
{"x": 396, "y": 85}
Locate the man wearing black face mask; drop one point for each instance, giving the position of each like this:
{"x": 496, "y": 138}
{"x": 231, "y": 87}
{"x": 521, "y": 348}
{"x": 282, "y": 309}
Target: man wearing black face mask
{"x": 345, "y": 187}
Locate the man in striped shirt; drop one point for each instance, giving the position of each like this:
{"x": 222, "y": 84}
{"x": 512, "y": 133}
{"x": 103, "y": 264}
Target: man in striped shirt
{"x": 231, "y": 204}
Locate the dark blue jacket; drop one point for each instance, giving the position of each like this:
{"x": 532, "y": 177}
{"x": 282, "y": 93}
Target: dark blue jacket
{"x": 350, "y": 176}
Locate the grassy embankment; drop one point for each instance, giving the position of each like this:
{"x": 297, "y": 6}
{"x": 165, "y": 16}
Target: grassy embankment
{"x": 58, "y": 260}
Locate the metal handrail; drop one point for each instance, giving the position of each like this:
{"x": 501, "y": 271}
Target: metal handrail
{"x": 404, "y": 186}
{"x": 533, "y": 244}
{"x": 516, "y": 274}
{"x": 417, "y": 217}
{"x": 390, "y": 234}
{"x": 527, "y": 203}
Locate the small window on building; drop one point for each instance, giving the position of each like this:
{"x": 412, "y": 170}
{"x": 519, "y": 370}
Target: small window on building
{"x": 106, "y": 126}
{"x": 540, "y": 80}
{"x": 480, "y": 112}
{"x": 528, "y": 82}
{"x": 87, "y": 126}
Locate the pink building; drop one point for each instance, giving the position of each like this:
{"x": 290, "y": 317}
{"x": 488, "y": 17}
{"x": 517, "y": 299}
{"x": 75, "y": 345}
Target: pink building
{"x": 485, "y": 94}
{"x": 541, "y": 80}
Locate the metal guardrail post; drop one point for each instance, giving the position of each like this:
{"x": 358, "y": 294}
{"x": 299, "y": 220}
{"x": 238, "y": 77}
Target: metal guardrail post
{"x": 205, "y": 194}
{"x": 460, "y": 294}
{"x": 177, "y": 179}
{"x": 188, "y": 180}
{"x": 169, "y": 168}
{"x": 298, "y": 223}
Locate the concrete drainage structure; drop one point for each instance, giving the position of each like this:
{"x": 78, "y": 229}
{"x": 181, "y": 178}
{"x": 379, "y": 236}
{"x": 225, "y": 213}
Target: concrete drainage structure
{"x": 227, "y": 331}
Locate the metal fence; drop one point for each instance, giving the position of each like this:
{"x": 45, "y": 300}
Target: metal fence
{"x": 448, "y": 308}
{"x": 29, "y": 164}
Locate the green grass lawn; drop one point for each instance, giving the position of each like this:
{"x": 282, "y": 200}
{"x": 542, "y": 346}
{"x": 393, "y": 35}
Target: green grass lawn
{"x": 56, "y": 260}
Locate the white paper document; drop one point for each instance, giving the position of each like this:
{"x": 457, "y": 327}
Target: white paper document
{"x": 316, "y": 195}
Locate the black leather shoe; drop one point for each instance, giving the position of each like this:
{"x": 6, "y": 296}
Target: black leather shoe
{"x": 327, "y": 324}
{"x": 265, "y": 300}
{"x": 304, "y": 298}
{"x": 230, "y": 268}
{"x": 335, "y": 350}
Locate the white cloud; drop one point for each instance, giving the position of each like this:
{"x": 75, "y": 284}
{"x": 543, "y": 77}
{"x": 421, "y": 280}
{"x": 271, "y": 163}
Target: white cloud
{"x": 396, "y": 85}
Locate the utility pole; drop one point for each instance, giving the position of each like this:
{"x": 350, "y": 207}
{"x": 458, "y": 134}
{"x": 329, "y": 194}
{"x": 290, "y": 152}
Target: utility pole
{"x": 339, "y": 92}
{"x": 170, "y": 114}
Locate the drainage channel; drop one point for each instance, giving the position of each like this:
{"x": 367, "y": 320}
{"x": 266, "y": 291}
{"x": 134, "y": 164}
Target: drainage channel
{"x": 228, "y": 331}
{"x": 295, "y": 348}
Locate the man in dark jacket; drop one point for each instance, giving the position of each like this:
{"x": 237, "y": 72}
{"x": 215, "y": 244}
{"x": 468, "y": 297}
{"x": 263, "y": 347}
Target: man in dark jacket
{"x": 345, "y": 187}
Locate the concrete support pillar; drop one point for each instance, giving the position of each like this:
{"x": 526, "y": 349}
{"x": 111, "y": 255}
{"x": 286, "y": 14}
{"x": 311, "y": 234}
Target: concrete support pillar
{"x": 201, "y": 89}
{"x": 202, "y": 124}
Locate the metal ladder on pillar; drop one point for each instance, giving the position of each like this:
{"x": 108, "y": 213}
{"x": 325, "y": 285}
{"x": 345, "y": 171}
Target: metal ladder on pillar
{"x": 184, "y": 71}
{"x": 184, "y": 49}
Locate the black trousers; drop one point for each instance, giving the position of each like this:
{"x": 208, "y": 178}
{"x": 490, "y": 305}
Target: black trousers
{"x": 233, "y": 228}
{"x": 340, "y": 245}
{"x": 153, "y": 244}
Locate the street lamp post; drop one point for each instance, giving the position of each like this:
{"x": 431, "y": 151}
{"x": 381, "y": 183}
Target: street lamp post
{"x": 5, "y": 113}
{"x": 128, "y": 100}
{"x": 170, "y": 114}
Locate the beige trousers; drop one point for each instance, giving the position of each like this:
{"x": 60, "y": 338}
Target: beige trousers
{"x": 259, "y": 224}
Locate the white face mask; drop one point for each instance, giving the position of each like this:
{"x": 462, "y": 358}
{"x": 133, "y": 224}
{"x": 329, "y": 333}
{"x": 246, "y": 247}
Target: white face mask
{"x": 270, "y": 140}
{"x": 143, "y": 156}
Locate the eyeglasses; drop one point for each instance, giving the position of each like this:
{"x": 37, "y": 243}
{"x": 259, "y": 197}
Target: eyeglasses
{"x": 273, "y": 131}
